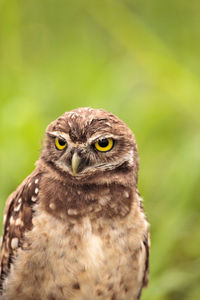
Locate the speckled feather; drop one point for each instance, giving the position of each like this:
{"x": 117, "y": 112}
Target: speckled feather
{"x": 78, "y": 237}
{"x": 17, "y": 220}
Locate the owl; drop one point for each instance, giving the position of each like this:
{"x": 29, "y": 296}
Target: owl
{"x": 75, "y": 228}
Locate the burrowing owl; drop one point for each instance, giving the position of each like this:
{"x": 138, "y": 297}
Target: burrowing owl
{"x": 75, "y": 228}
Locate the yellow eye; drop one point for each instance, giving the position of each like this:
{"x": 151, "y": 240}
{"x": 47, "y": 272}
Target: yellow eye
{"x": 104, "y": 145}
{"x": 60, "y": 144}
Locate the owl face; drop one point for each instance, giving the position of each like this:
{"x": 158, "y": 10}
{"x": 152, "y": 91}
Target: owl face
{"x": 88, "y": 141}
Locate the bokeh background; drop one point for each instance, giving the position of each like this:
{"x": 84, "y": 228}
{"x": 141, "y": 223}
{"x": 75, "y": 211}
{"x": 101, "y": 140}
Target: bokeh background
{"x": 138, "y": 59}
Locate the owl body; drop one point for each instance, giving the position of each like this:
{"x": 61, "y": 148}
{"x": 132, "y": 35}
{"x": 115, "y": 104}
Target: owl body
{"x": 75, "y": 228}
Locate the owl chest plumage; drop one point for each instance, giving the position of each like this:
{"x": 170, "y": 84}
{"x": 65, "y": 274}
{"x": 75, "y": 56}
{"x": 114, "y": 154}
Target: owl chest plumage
{"x": 81, "y": 258}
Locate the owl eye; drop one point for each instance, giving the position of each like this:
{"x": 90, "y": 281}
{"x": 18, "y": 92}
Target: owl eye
{"x": 60, "y": 144}
{"x": 104, "y": 145}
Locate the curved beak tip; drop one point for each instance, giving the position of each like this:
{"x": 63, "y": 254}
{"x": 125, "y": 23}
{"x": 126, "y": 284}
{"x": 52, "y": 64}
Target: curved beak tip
{"x": 75, "y": 163}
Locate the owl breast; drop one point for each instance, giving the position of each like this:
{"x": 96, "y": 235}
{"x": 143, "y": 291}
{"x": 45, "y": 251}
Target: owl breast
{"x": 81, "y": 260}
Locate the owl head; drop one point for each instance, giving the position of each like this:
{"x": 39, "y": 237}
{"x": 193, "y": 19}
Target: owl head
{"x": 90, "y": 143}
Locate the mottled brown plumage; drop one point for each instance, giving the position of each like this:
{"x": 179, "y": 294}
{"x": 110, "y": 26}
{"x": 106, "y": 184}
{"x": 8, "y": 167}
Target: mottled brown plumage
{"x": 75, "y": 228}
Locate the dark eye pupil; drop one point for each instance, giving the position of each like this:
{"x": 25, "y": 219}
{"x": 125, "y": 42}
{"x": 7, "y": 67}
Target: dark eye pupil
{"x": 61, "y": 142}
{"x": 103, "y": 143}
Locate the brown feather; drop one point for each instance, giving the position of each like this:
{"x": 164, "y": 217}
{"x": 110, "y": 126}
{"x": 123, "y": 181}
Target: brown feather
{"x": 18, "y": 219}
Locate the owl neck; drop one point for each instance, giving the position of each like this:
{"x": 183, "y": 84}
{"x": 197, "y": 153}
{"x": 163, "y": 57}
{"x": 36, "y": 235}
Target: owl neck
{"x": 107, "y": 197}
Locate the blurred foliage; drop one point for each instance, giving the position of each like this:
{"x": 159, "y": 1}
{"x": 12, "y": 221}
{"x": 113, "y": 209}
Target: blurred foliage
{"x": 138, "y": 59}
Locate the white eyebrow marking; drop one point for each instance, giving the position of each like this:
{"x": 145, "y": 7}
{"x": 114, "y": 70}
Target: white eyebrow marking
{"x": 102, "y": 136}
{"x": 65, "y": 136}
{"x": 59, "y": 134}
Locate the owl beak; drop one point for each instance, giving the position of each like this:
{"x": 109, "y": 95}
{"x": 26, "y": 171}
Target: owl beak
{"x": 76, "y": 160}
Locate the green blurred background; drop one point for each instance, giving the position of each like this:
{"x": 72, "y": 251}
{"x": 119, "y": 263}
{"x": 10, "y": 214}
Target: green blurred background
{"x": 138, "y": 59}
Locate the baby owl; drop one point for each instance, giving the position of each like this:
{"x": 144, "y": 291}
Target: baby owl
{"x": 75, "y": 228}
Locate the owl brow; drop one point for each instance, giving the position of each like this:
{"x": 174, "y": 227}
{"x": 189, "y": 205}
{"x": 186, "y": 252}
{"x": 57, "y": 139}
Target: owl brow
{"x": 93, "y": 139}
{"x": 58, "y": 134}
